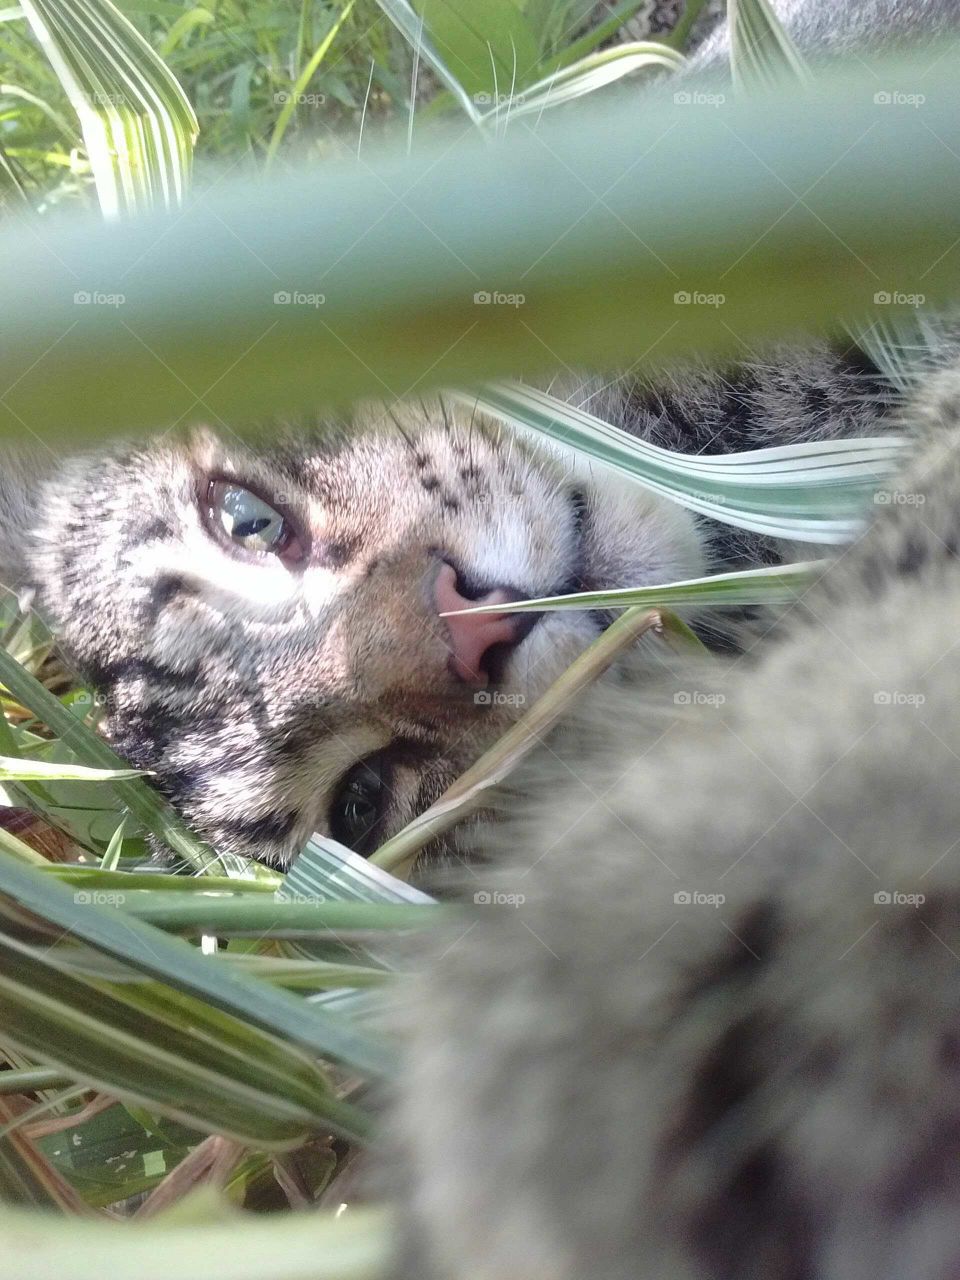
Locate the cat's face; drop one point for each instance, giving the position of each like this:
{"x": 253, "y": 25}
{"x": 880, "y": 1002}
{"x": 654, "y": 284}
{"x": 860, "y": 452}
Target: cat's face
{"x": 265, "y": 617}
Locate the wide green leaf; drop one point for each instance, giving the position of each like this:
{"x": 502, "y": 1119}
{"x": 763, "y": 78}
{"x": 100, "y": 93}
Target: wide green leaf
{"x": 411, "y": 251}
{"x": 814, "y": 492}
{"x": 39, "y": 1246}
{"x": 488, "y": 44}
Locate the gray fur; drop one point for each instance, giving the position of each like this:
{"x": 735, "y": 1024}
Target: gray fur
{"x": 608, "y": 1081}
{"x": 845, "y": 26}
{"x": 712, "y": 1031}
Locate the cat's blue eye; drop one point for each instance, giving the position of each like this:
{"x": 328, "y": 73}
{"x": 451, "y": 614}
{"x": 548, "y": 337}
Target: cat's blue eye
{"x": 249, "y": 521}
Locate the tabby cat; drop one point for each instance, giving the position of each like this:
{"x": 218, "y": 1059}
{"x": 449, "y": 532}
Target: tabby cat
{"x": 263, "y": 618}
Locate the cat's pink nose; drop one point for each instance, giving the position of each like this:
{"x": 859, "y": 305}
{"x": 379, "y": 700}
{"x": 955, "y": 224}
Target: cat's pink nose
{"x": 478, "y": 639}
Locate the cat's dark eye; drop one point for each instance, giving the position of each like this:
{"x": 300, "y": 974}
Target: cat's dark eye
{"x": 243, "y": 518}
{"x": 359, "y": 804}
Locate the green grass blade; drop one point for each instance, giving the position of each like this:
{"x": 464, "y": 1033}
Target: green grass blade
{"x": 762, "y": 55}
{"x": 810, "y": 492}
{"x": 27, "y": 1177}
{"x": 243, "y": 916}
{"x": 304, "y": 78}
{"x": 137, "y": 123}
{"x": 618, "y": 16}
{"x": 175, "y": 962}
{"x": 773, "y": 585}
{"x": 146, "y": 805}
{"x": 586, "y": 76}
{"x": 154, "y": 1048}
{"x": 17, "y": 770}
{"x": 409, "y": 24}
{"x": 200, "y": 319}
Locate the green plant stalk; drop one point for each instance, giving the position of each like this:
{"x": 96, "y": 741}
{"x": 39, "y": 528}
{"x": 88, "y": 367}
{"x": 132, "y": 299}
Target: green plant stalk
{"x": 290, "y": 106}
{"x": 30, "y": 1079}
{"x": 801, "y": 224}
{"x": 232, "y": 917}
{"x": 96, "y": 878}
{"x": 680, "y": 35}
{"x": 471, "y": 790}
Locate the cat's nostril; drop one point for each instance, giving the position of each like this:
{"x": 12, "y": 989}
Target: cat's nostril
{"x": 480, "y": 643}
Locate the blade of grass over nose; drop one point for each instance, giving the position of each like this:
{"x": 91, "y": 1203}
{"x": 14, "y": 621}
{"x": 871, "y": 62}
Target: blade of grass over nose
{"x": 772, "y": 585}
{"x": 471, "y": 789}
